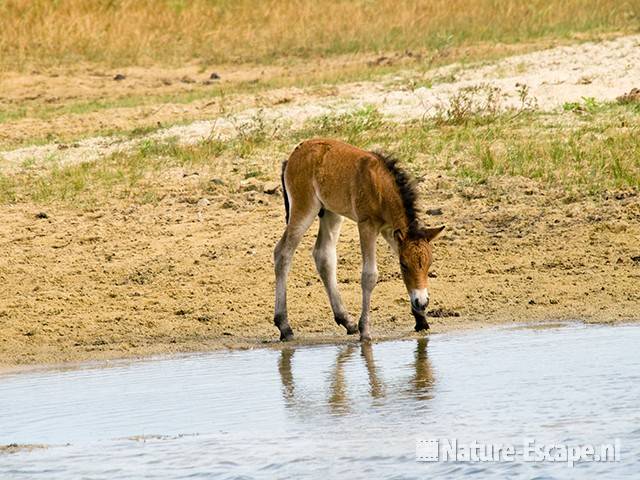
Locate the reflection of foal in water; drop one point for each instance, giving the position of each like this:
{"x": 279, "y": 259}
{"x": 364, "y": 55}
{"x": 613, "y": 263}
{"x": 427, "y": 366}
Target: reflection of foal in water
{"x": 333, "y": 180}
{"x": 420, "y": 385}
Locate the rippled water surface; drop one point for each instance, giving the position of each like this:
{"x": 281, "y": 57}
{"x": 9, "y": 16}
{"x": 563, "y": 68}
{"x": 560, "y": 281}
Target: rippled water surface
{"x": 332, "y": 411}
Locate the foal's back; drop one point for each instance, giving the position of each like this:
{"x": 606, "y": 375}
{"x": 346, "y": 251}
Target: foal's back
{"x": 336, "y": 176}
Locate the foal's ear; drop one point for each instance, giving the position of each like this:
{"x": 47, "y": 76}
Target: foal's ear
{"x": 431, "y": 233}
{"x": 398, "y": 235}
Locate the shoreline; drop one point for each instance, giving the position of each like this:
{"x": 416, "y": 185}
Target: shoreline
{"x": 164, "y": 351}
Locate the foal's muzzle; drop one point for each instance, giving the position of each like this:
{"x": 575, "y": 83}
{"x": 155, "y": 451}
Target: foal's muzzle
{"x": 416, "y": 305}
{"x": 419, "y": 299}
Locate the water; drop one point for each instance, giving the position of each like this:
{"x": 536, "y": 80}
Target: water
{"x": 332, "y": 411}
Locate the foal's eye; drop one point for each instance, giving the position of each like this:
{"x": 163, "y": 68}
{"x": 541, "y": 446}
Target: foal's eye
{"x": 403, "y": 266}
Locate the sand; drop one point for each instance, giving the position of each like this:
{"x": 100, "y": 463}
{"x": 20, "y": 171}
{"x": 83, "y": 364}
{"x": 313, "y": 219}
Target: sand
{"x": 128, "y": 280}
{"x": 194, "y": 271}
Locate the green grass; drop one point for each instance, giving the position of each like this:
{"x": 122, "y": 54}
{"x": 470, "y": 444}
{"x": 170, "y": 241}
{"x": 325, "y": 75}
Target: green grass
{"x": 352, "y": 127}
{"x": 582, "y": 156}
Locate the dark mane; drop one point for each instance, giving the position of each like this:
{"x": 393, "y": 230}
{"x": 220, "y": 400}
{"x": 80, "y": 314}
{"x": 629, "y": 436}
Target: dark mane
{"x": 408, "y": 192}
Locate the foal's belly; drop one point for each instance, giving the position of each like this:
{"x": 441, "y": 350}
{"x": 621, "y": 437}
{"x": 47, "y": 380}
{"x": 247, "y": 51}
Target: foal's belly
{"x": 340, "y": 208}
{"x": 335, "y": 199}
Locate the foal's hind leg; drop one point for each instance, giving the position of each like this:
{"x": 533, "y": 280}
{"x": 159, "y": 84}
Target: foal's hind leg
{"x": 324, "y": 254}
{"x": 299, "y": 223}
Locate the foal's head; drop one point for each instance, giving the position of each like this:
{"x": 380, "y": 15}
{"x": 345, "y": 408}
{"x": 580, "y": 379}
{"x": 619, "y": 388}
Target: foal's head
{"x": 414, "y": 250}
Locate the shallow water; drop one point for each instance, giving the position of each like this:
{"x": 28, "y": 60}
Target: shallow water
{"x": 329, "y": 411}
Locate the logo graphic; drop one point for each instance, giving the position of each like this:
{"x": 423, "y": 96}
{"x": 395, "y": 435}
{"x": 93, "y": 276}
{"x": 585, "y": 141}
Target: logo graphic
{"x": 427, "y": 450}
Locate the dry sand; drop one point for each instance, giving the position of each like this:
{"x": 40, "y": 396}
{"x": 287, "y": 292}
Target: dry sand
{"x": 128, "y": 280}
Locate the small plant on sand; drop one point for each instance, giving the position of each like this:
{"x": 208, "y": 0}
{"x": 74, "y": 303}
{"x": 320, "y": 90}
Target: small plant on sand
{"x": 253, "y": 133}
{"x": 482, "y": 104}
{"x": 588, "y": 105}
{"x": 632, "y": 97}
{"x": 527, "y": 102}
{"x": 474, "y": 104}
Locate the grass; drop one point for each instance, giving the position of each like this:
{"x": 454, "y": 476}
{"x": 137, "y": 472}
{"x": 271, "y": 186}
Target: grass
{"x": 45, "y": 111}
{"x": 328, "y": 75}
{"x": 43, "y": 33}
{"x": 316, "y": 81}
{"x": 356, "y": 127}
{"x": 564, "y": 150}
{"x": 67, "y": 35}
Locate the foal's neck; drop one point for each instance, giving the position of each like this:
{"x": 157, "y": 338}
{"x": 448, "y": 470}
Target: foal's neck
{"x": 395, "y": 214}
{"x": 397, "y": 196}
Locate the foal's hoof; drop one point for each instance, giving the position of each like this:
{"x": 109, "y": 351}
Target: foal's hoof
{"x": 347, "y": 323}
{"x": 365, "y": 337}
{"x": 420, "y": 326}
{"x": 286, "y": 334}
{"x": 421, "y": 320}
{"x": 352, "y": 328}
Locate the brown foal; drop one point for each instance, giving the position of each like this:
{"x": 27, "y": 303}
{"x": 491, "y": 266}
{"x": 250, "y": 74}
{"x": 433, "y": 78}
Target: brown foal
{"x": 332, "y": 180}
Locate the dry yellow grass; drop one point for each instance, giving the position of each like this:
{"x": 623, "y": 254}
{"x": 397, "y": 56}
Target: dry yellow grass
{"x": 37, "y": 33}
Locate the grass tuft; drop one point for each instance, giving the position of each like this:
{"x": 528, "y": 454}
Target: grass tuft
{"x": 353, "y": 127}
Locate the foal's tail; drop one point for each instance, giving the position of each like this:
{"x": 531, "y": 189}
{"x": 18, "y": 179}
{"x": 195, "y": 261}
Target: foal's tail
{"x": 284, "y": 192}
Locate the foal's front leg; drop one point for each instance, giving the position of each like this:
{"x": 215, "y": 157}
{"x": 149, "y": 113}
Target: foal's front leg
{"x": 368, "y": 235}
